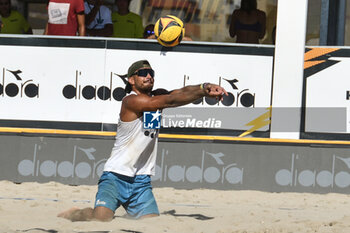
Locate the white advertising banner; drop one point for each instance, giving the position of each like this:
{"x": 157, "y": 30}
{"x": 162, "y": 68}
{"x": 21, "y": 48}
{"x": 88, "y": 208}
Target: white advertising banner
{"x": 83, "y": 85}
{"x": 327, "y": 95}
{"x": 50, "y": 70}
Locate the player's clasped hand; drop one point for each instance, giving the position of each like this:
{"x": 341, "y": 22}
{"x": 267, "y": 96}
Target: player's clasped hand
{"x": 214, "y": 90}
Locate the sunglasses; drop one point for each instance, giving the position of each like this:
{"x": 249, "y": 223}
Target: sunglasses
{"x": 150, "y": 32}
{"x": 144, "y": 72}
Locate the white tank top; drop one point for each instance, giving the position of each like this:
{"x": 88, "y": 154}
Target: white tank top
{"x": 134, "y": 151}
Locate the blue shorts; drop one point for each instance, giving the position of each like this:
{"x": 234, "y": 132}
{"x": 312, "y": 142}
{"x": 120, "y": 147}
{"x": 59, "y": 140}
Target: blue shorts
{"x": 133, "y": 193}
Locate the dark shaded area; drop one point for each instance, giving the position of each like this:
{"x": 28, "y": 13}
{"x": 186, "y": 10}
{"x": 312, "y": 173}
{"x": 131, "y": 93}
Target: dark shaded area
{"x": 196, "y": 216}
{"x": 94, "y": 232}
{"x": 40, "y": 229}
{"x": 131, "y": 231}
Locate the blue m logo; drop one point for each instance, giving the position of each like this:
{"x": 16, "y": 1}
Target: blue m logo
{"x": 151, "y": 120}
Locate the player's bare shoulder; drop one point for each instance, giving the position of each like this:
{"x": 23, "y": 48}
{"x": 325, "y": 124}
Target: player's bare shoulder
{"x": 134, "y": 101}
{"x": 127, "y": 99}
{"x": 131, "y": 107}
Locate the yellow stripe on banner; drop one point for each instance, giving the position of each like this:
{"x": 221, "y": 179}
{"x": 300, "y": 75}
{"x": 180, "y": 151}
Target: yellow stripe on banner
{"x": 172, "y": 136}
{"x": 55, "y": 131}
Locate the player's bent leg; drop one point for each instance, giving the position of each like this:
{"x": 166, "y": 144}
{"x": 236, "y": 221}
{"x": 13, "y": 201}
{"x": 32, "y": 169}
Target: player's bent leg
{"x": 106, "y": 197}
{"x": 103, "y": 214}
{"x": 143, "y": 203}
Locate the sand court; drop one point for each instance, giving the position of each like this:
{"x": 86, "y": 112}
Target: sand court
{"x": 32, "y": 207}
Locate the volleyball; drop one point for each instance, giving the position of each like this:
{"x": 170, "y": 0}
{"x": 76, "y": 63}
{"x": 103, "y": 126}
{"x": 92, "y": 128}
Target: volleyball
{"x": 169, "y": 30}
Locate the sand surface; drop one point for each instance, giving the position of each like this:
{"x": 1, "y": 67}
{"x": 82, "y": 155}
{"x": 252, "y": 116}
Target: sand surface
{"x": 32, "y": 207}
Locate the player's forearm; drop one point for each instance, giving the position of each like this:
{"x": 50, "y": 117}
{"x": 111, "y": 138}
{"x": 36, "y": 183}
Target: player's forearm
{"x": 175, "y": 98}
{"x": 185, "y": 95}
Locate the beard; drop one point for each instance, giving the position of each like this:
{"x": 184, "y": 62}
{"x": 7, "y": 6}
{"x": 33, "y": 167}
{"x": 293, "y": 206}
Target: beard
{"x": 145, "y": 89}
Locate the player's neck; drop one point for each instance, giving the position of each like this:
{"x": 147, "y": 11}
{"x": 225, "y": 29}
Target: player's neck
{"x": 140, "y": 92}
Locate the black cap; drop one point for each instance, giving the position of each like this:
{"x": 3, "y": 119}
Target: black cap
{"x": 133, "y": 68}
{"x": 138, "y": 65}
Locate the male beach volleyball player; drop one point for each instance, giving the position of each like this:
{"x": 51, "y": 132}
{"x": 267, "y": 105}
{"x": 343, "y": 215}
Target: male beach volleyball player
{"x": 126, "y": 178}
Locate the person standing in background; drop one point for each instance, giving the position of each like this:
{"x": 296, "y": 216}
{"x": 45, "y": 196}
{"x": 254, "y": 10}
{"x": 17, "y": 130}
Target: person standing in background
{"x": 148, "y": 33}
{"x": 66, "y": 18}
{"x": 126, "y": 24}
{"x": 98, "y": 19}
{"x": 248, "y": 23}
{"x": 11, "y": 21}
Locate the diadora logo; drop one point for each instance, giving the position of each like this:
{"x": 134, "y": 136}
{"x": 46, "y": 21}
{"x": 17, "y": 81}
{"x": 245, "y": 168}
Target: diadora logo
{"x": 82, "y": 165}
{"x": 151, "y": 120}
{"x": 13, "y": 85}
{"x": 236, "y": 97}
{"x": 311, "y": 177}
{"x": 93, "y": 92}
{"x": 217, "y": 172}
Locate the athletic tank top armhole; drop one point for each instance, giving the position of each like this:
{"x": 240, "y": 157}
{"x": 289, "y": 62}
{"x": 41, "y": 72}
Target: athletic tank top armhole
{"x": 130, "y": 122}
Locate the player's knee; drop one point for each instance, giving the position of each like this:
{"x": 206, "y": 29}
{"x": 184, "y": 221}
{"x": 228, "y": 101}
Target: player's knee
{"x": 103, "y": 218}
{"x": 103, "y": 214}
